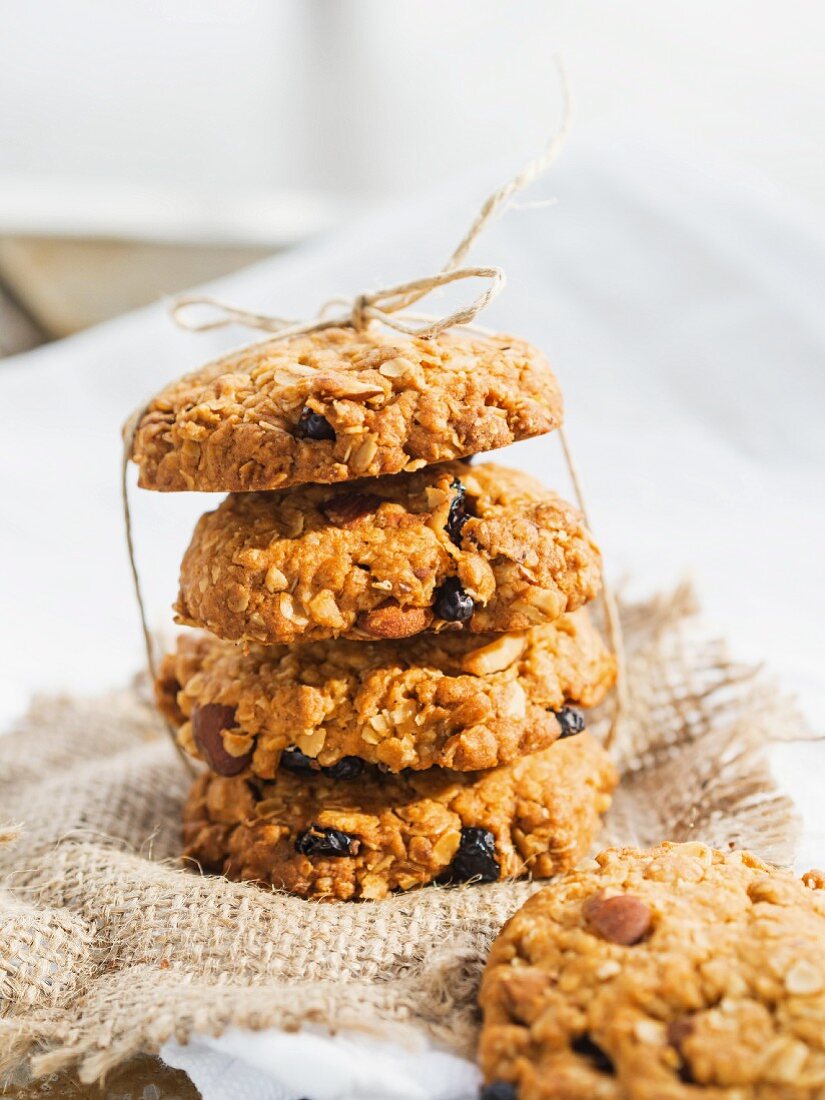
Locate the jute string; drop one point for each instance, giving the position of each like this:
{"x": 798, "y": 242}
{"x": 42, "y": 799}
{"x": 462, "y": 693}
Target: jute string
{"x": 390, "y": 306}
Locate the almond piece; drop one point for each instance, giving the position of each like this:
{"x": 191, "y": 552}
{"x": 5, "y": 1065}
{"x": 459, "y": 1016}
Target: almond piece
{"x": 366, "y": 452}
{"x": 339, "y": 384}
{"x": 496, "y": 656}
{"x": 343, "y": 510}
{"x": 804, "y": 979}
{"x": 393, "y": 621}
{"x": 623, "y": 919}
{"x": 208, "y": 725}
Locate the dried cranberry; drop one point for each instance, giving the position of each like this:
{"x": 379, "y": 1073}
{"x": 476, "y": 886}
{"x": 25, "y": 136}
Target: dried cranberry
{"x": 475, "y": 858}
{"x": 312, "y": 425}
{"x": 571, "y": 720}
{"x": 319, "y": 840}
{"x": 452, "y": 603}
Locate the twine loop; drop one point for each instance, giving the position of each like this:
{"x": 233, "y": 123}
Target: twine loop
{"x": 360, "y": 305}
{"x": 388, "y": 306}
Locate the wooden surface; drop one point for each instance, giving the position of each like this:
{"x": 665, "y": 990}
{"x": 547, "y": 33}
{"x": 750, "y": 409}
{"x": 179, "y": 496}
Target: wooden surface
{"x": 52, "y": 287}
{"x": 18, "y": 329}
{"x": 144, "y": 1078}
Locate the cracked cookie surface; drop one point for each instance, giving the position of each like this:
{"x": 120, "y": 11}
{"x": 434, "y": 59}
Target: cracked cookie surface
{"x": 336, "y": 405}
{"x": 452, "y": 547}
{"x": 366, "y": 837}
{"x": 676, "y": 972}
{"x": 448, "y": 700}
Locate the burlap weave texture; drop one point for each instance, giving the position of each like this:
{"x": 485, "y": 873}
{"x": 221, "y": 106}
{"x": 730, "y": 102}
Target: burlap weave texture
{"x": 109, "y": 947}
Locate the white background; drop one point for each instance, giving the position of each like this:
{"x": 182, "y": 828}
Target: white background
{"x": 206, "y": 102}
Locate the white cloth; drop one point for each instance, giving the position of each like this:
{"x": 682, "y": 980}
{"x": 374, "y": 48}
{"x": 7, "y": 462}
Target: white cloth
{"x": 682, "y": 309}
{"x": 274, "y": 1065}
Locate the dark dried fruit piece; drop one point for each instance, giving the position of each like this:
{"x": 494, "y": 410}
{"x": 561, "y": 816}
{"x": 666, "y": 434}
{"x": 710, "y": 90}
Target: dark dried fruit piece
{"x": 318, "y": 840}
{"x": 678, "y": 1030}
{"x": 475, "y": 858}
{"x": 459, "y": 513}
{"x": 452, "y": 603}
{"x": 623, "y": 919}
{"x": 498, "y": 1090}
{"x": 313, "y": 426}
{"x": 293, "y": 760}
{"x": 208, "y": 724}
{"x": 571, "y": 721}
{"x": 348, "y": 767}
{"x": 346, "y": 508}
{"x": 600, "y": 1061}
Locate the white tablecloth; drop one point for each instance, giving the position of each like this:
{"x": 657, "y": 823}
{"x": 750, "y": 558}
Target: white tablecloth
{"x": 682, "y": 309}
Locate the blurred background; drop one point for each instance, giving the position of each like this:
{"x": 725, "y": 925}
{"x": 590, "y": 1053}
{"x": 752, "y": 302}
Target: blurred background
{"x": 146, "y": 146}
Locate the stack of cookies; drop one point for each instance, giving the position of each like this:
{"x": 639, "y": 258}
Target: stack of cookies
{"x": 392, "y": 658}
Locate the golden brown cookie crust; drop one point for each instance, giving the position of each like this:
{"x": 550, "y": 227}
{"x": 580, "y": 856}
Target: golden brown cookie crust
{"x": 676, "y": 972}
{"x": 395, "y": 404}
{"x": 438, "y": 700}
{"x": 369, "y": 560}
{"x": 400, "y": 831}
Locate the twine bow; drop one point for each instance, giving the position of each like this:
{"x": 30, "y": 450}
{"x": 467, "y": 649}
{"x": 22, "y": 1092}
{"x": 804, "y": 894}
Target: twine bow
{"x": 390, "y": 306}
{"x": 384, "y": 305}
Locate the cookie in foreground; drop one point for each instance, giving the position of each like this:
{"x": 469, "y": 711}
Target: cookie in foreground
{"x": 335, "y": 405}
{"x": 462, "y": 701}
{"x": 452, "y": 547}
{"x": 321, "y": 837}
{"x": 676, "y": 972}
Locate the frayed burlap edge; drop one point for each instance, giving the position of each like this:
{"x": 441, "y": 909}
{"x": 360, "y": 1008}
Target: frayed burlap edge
{"x": 109, "y": 948}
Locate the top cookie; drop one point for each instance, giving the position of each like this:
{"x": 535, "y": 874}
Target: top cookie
{"x": 339, "y": 404}
{"x": 676, "y": 972}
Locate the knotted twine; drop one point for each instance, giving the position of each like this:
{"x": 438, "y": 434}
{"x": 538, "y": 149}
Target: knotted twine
{"x": 390, "y": 306}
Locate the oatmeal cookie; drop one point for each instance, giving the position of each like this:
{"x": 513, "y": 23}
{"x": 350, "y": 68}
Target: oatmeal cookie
{"x": 676, "y": 972}
{"x": 328, "y": 838}
{"x": 336, "y": 405}
{"x": 479, "y": 548}
{"x": 462, "y": 701}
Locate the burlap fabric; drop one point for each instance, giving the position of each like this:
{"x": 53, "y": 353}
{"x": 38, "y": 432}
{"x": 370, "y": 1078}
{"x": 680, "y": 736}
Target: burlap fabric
{"x": 109, "y": 947}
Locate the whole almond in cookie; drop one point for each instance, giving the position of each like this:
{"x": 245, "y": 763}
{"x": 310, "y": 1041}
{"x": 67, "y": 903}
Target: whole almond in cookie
{"x": 208, "y": 724}
{"x": 621, "y": 919}
{"x": 347, "y": 508}
{"x": 392, "y": 621}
